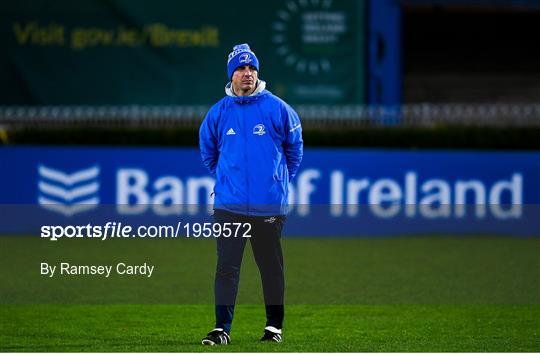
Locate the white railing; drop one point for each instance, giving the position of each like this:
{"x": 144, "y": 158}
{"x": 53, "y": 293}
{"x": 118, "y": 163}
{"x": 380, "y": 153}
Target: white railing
{"x": 425, "y": 114}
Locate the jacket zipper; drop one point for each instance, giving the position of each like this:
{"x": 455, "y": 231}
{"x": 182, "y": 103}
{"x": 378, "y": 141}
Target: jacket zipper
{"x": 244, "y": 107}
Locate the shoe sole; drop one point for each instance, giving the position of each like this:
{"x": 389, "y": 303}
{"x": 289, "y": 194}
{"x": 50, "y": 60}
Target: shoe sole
{"x": 207, "y": 342}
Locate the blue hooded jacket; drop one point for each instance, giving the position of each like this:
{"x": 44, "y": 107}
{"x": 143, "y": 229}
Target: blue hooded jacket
{"x": 253, "y": 146}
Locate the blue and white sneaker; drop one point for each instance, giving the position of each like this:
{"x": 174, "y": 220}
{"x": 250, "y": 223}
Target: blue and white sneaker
{"x": 217, "y": 337}
{"x": 272, "y": 334}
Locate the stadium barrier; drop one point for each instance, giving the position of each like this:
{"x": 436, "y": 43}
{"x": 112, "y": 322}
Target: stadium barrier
{"x": 346, "y": 192}
{"x": 422, "y": 114}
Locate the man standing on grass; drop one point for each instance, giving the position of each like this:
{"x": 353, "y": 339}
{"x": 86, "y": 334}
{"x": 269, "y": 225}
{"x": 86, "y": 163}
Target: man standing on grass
{"x": 251, "y": 141}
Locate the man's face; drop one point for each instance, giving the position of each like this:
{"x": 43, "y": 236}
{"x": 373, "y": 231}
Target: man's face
{"x": 244, "y": 80}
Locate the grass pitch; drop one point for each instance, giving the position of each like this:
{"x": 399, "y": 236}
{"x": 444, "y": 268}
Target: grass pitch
{"x": 401, "y": 294}
{"x": 313, "y": 328}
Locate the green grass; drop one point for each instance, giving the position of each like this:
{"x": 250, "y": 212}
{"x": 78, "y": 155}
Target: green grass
{"x": 401, "y": 294}
{"x": 319, "y": 328}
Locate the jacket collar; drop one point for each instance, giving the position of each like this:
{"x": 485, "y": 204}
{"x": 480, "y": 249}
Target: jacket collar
{"x": 259, "y": 91}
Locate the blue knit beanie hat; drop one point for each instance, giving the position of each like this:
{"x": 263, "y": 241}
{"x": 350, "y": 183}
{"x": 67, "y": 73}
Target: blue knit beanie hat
{"x": 241, "y": 55}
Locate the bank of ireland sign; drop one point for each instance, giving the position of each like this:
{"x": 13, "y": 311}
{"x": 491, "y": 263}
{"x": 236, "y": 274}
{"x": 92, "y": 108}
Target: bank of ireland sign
{"x": 68, "y": 193}
{"x": 364, "y": 192}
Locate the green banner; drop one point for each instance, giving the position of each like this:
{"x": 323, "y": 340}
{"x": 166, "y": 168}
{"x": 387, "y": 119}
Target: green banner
{"x": 169, "y": 52}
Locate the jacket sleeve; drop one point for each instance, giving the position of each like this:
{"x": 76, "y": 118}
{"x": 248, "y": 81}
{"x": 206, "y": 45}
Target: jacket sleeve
{"x": 293, "y": 145}
{"x": 208, "y": 141}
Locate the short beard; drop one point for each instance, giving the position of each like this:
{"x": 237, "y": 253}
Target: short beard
{"x": 247, "y": 93}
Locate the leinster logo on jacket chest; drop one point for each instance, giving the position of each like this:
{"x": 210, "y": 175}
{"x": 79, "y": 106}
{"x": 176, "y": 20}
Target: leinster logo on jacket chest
{"x": 259, "y": 129}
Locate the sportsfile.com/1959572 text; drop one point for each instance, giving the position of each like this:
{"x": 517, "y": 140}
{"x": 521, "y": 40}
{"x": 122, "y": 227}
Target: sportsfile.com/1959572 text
{"x": 119, "y": 230}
